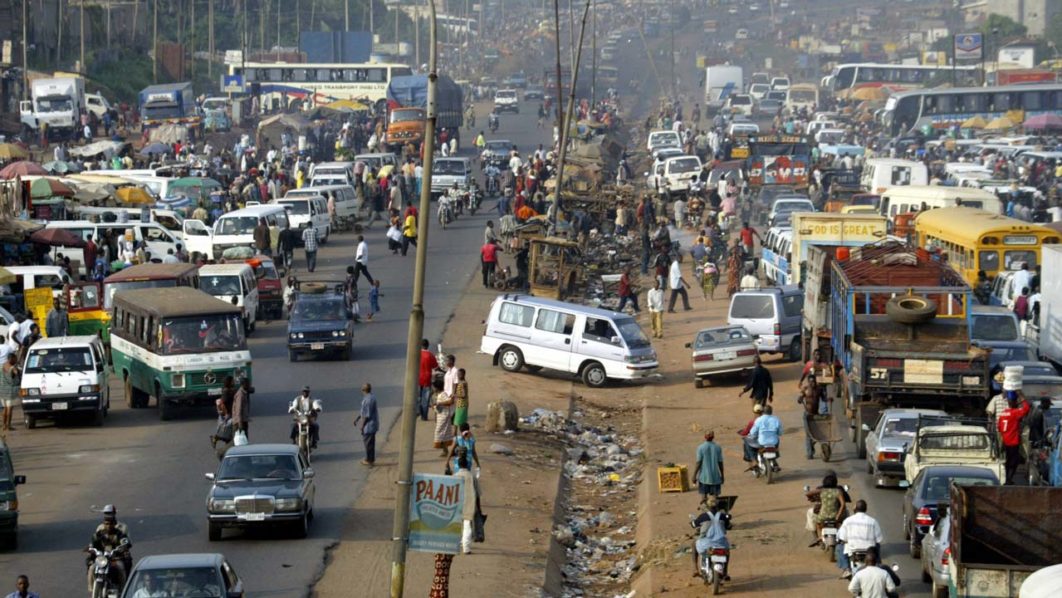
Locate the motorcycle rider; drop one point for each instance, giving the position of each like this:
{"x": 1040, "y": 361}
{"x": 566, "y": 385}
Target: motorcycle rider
{"x": 872, "y": 580}
{"x": 766, "y": 431}
{"x": 109, "y": 536}
{"x": 858, "y": 533}
{"x": 302, "y": 404}
{"x": 492, "y": 120}
{"x": 831, "y": 500}
{"x": 712, "y": 523}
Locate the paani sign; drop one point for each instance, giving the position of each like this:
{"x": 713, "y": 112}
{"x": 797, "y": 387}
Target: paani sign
{"x": 435, "y": 507}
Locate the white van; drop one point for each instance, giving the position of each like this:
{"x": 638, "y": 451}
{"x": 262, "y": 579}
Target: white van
{"x": 596, "y": 344}
{"x": 332, "y": 173}
{"x": 912, "y": 198}
{"x": 344, "y": 195}
{"x": 881, "y": 173}
{"x": 157, "y": 240}
{"x": 65, "y": 377}
{"x": 232, "y": 281}
{"x": 170, "y": 220}
{"x": 235, "y": 229}
{"x": 376, "y": 161}
{"x": 304, "y": 209}
{"x": 36, "y": 277}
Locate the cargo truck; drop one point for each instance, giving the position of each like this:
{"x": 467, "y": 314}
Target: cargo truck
{"x": 407, "y": 99}
{"x": 56, "y": 102}
{"x": 999, "y": 535}
{"x": 1048, "y": 325}
{"x": 171, "y": 103}
{"x": 720, "y": 82}
{"x": 899, "y": 324}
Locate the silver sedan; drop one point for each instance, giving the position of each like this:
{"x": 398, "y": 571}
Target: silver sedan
{"x": 723, "y": 350}
{"x": 887, "y": 442}
{"x": 936, "y": 550}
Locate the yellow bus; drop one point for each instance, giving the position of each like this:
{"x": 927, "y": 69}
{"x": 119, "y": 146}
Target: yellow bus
{"x": 974, "y": 240}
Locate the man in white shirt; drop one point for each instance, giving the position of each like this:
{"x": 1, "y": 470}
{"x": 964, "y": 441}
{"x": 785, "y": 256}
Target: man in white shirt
{"x": 361, "y": 261}
{"x": 678, "y": 286}
{"x": 859, "y": 532}
{"x": 749, "y": 282}
{"x": 655, "y": 299}
{"x": 450, "y": 378}
{"x": 515, "y": 163}
{"x": 1022, "y": 278}
{"x": 872, "y": 581}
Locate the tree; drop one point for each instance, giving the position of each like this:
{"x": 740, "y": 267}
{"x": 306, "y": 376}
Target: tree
{"x": 1053, "y": 34}
{"x": 1002, "y": 27}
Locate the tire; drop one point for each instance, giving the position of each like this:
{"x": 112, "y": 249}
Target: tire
{"x": 534, "y": 369}
{"x": 98, "y": 591}
{"x": 31, "y": 422}
{"x": 510, "y": 358}
{"x": 698, "y": 382}
{"x": 344, "y": 355}
{"x": 826, "y": 452}
{"x": 97, "y": 417}
{"x": 911, "y": 309}
{"x": 914, "y": 548}
{"x": 831, "y": 554}
{"x": 770, "y": 480}
{"x": 302, "y": 527}
{"x": 793, "y": 354}
{"x": 717, "y": 582}
{"x": 594, "y": 375}
{"x": 292, "y": 356}
{"x": 213, "y": 532}
{"x": 165, "y": 408}
{"x": 131, "y": 398}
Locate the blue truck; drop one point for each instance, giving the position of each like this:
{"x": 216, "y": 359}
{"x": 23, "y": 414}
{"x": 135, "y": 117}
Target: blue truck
{"x": 170, "y": 103}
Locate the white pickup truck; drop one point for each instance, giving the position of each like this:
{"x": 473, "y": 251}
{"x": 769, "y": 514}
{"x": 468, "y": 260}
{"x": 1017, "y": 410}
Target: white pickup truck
{"x": 953, "y": 443}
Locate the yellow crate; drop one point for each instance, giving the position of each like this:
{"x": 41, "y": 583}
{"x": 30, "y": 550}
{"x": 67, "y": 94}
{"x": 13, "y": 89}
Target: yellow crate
{"x": 673, "y": 479}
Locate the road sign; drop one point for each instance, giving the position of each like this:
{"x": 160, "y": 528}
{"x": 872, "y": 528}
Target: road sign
{"x": 969, "y": 46}
{"x": 232, "y": 84}
{"x": 435, "y": 513}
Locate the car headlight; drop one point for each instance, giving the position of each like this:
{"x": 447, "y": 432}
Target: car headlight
{"x": 335, "y": 333}
{"x": 9, "y": 505}
{"x": 293, "y": 335}
{"x": 301, "y": 335}
{"x": 88, "y": 388}
{"x": 221, "y": 505}
{"x": 342, "y": 333}
{"x": 289, "y": 504}
{"x": 29, "y": 392}
{"x": 177, "y": 380}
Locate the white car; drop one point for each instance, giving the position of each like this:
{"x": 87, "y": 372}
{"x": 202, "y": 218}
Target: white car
{"x": 741, "y": 34}
{"x": 780, "y": 84}
{"x": 661, "y": 139}
{"x": 759, "y": 90}
{"x": 736, "y": 129}
{"x": 740, "y": 103}
{"x": 507, "y": 100}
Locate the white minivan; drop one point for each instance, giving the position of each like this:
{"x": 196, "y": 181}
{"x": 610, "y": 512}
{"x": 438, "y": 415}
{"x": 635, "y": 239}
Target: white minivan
{"x": 234, "y": 283}
{"x": 344, "y": 195}
{"x": 304, "y": 209}
{"x": 234, "y": 229}
{"x": 596, "y": 344}
{"x": 153, "y": 236}
{"x": 65, "y": 377}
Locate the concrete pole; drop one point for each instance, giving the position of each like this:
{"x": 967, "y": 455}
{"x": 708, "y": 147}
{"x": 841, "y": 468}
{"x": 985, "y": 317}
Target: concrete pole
{"x": 210, "y": 38}
{"x": 155, "y": 43}
{"x": 556, "y": 43}
{"x": 346, "y": 15}
{"x": 567, "y": 122}
{"x": 411, "y": 391}
{"x": 192, "y": 37}
{"x": 593, "y": 54}
{"x": 278, "y": 30}
{"x": 25, "y": 51}
{"x": 81, "y": 37}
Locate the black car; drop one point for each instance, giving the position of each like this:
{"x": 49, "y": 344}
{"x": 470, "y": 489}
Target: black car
{"x": 184, "y": 575}
{"x": 8, "y": 499}
{"x": 320, "y": 321}
{"x": 261, "y": 485}
{"x": 930, "y": 488}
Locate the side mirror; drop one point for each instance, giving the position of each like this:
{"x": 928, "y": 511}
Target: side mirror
{"x": 689, "y": 345}
{"x": 865, "y": 428}
{"x": 807, "y": 488}
{"x": 209, "y": 476}
{"x": 308, "y": 473}
{"x": 20, "y": 479}
{"x": 904, "y": 484}
{"x": 615, "y": 340}
{"x": 646, "y": 174}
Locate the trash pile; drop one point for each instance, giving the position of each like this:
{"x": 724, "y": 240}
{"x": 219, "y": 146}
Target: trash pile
{"x": 603, "y": 470}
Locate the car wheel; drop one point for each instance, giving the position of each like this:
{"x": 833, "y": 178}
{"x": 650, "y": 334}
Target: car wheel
{"x": 937, "y": 590}
{"x": 511, "y": 359}
{"x": 698, "y": 382}
{"x": 213, "y": 532}
{"x": 31, "y": 422}
{"x": 302, "y": 526}
{"x": 165, "y": 407}
{"x": 794, "y": 350}
{"x": 97, "y": 417}
{"x": 594, "y": 375}
{"x": 292, "y": 356}
{"x": 914, "y": 548}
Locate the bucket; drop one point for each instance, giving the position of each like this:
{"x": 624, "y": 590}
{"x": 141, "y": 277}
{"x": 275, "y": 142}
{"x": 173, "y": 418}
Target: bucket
{"x": 1012, "y": 377}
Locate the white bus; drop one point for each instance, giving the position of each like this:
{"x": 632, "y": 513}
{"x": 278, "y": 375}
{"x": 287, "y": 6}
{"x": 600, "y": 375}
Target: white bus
{"x": 321, "y": 83}
{"x": 945, "y": 108}
{"x": 893, "y": 76}
{"x": 801, "y": 96}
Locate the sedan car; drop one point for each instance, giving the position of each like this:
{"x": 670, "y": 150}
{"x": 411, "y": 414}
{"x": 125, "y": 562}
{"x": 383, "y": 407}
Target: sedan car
{"x": 1008, "y": 351}
{"x": 722, "y": 350}
{"x": 936, "y": 552}
{"x": 261, "y": 485}
{"x": 1030, "y": 370}
{"x": 768, "y": 107}
{"x": 887, "y": 442}
{"x": 931, "y": 487}
{"x": 184, "y": 575}
{"x": 534, "y": 92}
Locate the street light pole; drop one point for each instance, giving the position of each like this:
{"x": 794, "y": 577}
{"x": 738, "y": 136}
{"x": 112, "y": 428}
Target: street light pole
{"x": 408, "y": 415}
{"x": 81, "y": 37}
{"x": 566, "y": 123}
{"x": 25, "y": 53}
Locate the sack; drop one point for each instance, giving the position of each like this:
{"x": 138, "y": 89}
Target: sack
{"x": 240, "y": 438}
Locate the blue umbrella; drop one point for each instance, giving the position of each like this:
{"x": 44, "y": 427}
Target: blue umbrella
{"x": 155, "y": 148}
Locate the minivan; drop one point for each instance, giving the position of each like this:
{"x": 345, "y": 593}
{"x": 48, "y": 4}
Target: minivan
{"x": 36, "y": 277}
{"x": 596, "y": 344}
{"x": 65, "y": 376}
{"x": 377, "y": 161}
{"x": 303, "y": 209}
{"x": 332, "y": 173}
{"x": 346, "y": 199}
{"x": 992, "y": 323}
{"x": 445, "y": 172}
{"x": 8, "y": 496}
{"x": 234, "y": 229}
{"x": 882, "y": 173}
{"x": 772, "y": 317}
{"x": 234, "y": 283}
{"x": 153, "y": 236}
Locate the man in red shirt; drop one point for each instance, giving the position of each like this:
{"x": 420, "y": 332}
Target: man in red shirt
{"x": 747, "y": 234}
{"x": 626, "y": 293}
{"x": 1009, "y": 425}
{"x": 488, "y": 255}
{"x": 428, "y": 363}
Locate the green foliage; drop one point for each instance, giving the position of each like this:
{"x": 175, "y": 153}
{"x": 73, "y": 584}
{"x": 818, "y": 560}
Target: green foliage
{"x": 1054, "y": 31}
{"x": 126, "y": 76}
{"x": 1006, "y": 27}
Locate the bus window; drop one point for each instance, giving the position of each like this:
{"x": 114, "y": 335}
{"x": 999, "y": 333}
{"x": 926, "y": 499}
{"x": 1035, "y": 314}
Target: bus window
{"x": 401, "y": 71}
{"x": 249, "y": 74}
{"x": 376, "y": 75}
{"x": 1000, "y": 102}
{"x": 1015, "y": 258}
{"x": 1031, "y": 100}
{"x": 988, "y": 261}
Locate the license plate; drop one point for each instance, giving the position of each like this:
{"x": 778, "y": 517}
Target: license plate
{"x": 316, "y": 346}
{"x": 718, "y": 559}
{"x": 829, "y": 531}
{"x": 725, "y": 355}
{"x": 252, "y": 516}
{"x": 214, "y": 392}
{"x": 60, "y": 406}
{"x": 770, "y": 455}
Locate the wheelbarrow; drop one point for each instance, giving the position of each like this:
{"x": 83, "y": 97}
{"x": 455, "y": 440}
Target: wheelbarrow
{"x": 821, "y": 430}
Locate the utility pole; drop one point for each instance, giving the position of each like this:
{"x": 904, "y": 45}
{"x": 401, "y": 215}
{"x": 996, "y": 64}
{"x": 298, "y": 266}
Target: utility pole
{"x": 416, "y": 36}
{"x": 192, "y": 37}
{"x": 81, "y": 37}
{"x": 109, "y": 24}
{"x": 210, "y": 38}
{"x": 155, "y": 43}
{"x": 556, "y": 41}
{"x": 593, "y": 54}
{"x": 400, "y": 531}
{"x": 396, "y": 9}
{"x": 571, "y": 35}
{"x": 372, "y": 20}
{"x": 346, "y": 14}
{"x": 278, "y": 30}
{"x": 674, "y": 85}
{"x": 59, "y": 39}
{"x": 25, "y": 52}
{"x": 567, "y": 122}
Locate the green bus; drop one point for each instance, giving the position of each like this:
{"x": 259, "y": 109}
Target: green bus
{"x": 178, "y": 345}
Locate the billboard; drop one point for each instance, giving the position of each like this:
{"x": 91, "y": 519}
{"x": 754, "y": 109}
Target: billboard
{"x": 435, "y": 509}
{"x": 969, "y": 46}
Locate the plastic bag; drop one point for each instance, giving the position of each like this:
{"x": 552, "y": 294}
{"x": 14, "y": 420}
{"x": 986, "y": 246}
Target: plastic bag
{"x": 240, "y": 438}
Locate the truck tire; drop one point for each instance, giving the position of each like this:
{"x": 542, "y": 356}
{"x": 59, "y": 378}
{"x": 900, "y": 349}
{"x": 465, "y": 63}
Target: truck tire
{"x": 911, "y": 309}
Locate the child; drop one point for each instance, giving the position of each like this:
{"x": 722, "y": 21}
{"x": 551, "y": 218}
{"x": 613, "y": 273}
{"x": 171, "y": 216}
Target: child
{"x": 374, "y": 298}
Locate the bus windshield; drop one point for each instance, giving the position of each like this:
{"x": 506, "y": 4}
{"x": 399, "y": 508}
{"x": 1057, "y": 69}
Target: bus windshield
{"x": 113, "y": 287}
{"x": 237, "y": 225}
{"x": 59, "y": 359}
{"x": 203, "y": 334}
{"x": 220, "y": 285}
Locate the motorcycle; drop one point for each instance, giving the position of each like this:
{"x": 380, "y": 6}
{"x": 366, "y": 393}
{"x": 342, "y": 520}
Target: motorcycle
{"x": 445, "y": 212}
{"x": 493, "y": 123}
{"x": 714, "y": 562}
{"x": 303, "y": 421}
{"x": 767, "y": 463}
{"x": 492, "y": 183}
{"x": 105, "y": 582}
{"x": 472, "y": 199}
{"x": 828, "y": 535}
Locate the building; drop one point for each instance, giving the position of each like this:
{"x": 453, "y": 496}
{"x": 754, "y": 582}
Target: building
{"x": 1034, "y": 14}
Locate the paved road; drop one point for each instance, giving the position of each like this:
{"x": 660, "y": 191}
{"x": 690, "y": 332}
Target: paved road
{"x": 153, "y": 471}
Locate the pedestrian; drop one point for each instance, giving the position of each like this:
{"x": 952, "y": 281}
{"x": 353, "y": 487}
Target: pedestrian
{"x": 9, "y": 387}
{"x": 309, "y": 241}
{"x": 57, "y": 322}
{"x": 760, "y": 383}
{"x": 809, "y": 398}
{"x": 460, "y": 399}
{"x": 655, "y": 300}
{"x": 747, "y": 235}
{"x": 228, "y": 393}
{"x": 733, "y": 271}
{"x": 470, "y": 504}
{"x": 409, "y": 231}
{"x": 263, "y": 242}
{"x": 1010, "y": 428}
{"x": 22, "y": 589}
{"x": 369, "y": 418}
{"x": 488, "y": 255}
{"x": 464, "y": 444}
{"x": 223, "y": 432}
{"x": 428, "y": 365}
{"x": 1021, "y": 305}
{"x": 678, "y": 286}
{"x": 241, "y": 407}
{"x": 286, "y": 241}
{"x": 709, "y": 469}
{"x": 374, "y": 298}
{"x": 444, "y": 412}
{"x": 361, "y": 261}
{"x": 749, "y": 282}
{"x": 627, "y": 292}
